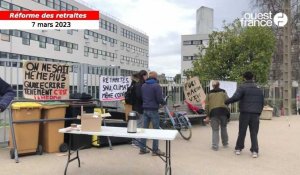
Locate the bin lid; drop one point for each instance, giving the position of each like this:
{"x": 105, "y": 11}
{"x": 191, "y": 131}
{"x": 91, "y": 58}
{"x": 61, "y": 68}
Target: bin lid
{"x": 20, "y": 105}
{"x": 53, "y": 104}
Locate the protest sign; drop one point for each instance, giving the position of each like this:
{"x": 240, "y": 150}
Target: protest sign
{"x": 113, "y": 88}
{"x": 194, "y": 92}
{"x": 45, "y": 81}
{"x": 229, "y": 86}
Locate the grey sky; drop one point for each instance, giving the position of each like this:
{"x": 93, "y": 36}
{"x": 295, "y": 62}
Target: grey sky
{"x": 166, "y": 20}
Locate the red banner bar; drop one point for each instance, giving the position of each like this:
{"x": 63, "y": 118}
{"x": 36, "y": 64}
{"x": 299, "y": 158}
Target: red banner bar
{"x": 49, "y": 15}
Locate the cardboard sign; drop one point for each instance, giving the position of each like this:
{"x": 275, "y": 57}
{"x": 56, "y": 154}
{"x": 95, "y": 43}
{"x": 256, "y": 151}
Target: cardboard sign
{"x": 113, "y": 88}
{"x": 229, "y": 86}
{"x": 194, "y": 92}
{"x": 45, "y": 81}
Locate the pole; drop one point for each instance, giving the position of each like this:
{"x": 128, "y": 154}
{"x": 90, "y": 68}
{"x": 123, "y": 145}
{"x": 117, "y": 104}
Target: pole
{"x": 287, "y": 67}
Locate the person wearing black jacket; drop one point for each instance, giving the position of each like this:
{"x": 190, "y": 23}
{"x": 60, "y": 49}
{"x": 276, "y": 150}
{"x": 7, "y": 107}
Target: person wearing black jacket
{"x": 7, "y": 94}
{"x": 251, "y": 104}
{"x": 137, "y": 102}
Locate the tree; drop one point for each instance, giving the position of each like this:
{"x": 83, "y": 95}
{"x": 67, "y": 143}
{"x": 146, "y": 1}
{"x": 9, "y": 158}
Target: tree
{"x": 233, "y": 51}
{"x": 276, "y": 6}
{"x": 177, "y": 78}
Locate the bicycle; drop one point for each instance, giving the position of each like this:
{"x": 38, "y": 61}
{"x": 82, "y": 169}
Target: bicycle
{"x": 176, "y": 120}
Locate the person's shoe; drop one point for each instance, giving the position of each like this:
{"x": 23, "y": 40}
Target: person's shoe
{"x": 215, "y": 148}
{"x": 158, "y": 153}
{"x": 237, "y": 152}
{"x": 225, "y": 146}
{"x": 144, "y": 152}
{"x": 254, "y": 154}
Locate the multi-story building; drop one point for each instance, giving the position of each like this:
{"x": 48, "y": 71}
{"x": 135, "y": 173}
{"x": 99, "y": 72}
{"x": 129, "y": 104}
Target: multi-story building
{"x": 190, "y": 43}
{"x": 118, "y": 48}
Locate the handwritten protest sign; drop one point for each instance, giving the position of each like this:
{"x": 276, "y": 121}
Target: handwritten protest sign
{"x": 194, "y": 92}
{"x": 229, "y": 86}
{"x": 45, "y": 81}
{"x": 113, "y": 88}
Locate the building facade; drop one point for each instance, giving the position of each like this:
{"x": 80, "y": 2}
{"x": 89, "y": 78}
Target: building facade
{"x": 114, "y": 49}
{"x": 190, "y": 44}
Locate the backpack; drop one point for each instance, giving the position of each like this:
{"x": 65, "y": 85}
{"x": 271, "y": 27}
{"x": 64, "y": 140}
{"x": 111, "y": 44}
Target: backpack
{"x": 130, "y": 94}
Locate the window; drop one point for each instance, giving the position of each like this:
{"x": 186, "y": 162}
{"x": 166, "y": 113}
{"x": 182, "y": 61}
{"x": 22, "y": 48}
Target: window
{"x": 63, "y": 43}
{"x": 75, "y": 46}
{"x": 42, "y": 41}
{"x": 42, "y": 45}
{"x": 16, "y": 33}
{"x": 57, "y": 4}
{"x": 34, "y": 37}
{"x": 56, "y": 47}
{"x": 69, "y": 7}
{"x": 43, "y": 2}
{"x": 187, "y": 42}
{"x": 50, "y": 3}
{"x": 50, "y": 40}
{"x": 25, "y": 38}
{"x": 197, "y": 42}
{"x": 15, "y": 7}
{"x": 63, "y": 5}
{"x": 3, "y": 55}
{"x": 5, "y": 5}
{"x": 5, "y": 35}
{"x": 70, "y": 50}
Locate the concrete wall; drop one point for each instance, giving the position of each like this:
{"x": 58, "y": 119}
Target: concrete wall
{"x": 205, "y": 20}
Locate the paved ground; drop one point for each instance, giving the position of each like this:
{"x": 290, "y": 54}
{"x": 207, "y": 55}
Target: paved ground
{"x": 279, "y": 146}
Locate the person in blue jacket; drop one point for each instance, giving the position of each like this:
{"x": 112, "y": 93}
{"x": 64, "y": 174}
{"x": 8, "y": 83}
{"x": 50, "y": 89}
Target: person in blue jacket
{"x": 152, "y": 97}
{"x": 7, "y": 94}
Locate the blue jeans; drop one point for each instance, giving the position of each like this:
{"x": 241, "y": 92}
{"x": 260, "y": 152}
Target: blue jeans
{"x": 140, "y": 124}
{"x": 152, "y": 116}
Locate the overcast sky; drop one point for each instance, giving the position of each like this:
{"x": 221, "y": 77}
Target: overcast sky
{"x": 164, "y": 21}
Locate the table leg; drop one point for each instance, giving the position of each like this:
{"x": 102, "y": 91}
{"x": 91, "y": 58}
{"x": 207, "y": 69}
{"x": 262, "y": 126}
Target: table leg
{"x": 168, "y": 168}
{"x": 69, "y": 155}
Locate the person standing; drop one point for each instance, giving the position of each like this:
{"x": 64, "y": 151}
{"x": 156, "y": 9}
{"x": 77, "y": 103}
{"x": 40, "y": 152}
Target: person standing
{"x": 152, "y": 98}
{"x": 251, "y": 105}
{"x": 217, "y": 112}
{"x": 7, "y": 94}
{"x": 137, "y": 102}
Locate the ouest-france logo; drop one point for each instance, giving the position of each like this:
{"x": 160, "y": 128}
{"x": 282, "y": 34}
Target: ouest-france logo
{"x": 264, "y": 19}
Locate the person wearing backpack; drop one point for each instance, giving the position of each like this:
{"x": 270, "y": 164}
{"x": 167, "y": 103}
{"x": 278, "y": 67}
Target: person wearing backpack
{"x": 130, "y": 95}
{"x": 136, "y": 99}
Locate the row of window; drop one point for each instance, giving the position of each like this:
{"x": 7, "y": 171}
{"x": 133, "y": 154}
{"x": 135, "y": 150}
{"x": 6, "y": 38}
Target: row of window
{"x": 18, "y": 58}
{"x": 133, "y": 60}
{"x": 27, "y": 37}
{"x": 134, "y": 37}
{"x": 125, "y": 72}
{"x": 133, "y": 48}
{"x": 97, "y": 53}
{"x": 104, "y": 24}
{"x": 56, "y": 4}
{"x": 98, "y": 36}
{"x": 9, "y": 6}
{"x": 17, "y": 62}
{"x": 192, "y": 42}
{"x": 189, "y": 58}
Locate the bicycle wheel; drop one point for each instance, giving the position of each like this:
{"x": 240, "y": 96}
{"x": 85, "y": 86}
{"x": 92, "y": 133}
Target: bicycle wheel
{"x": 165, "y": 123}
{"x": 185, "y": 127}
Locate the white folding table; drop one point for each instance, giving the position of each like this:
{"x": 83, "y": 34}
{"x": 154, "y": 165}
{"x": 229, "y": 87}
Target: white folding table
{"x": 158, "y": 134}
